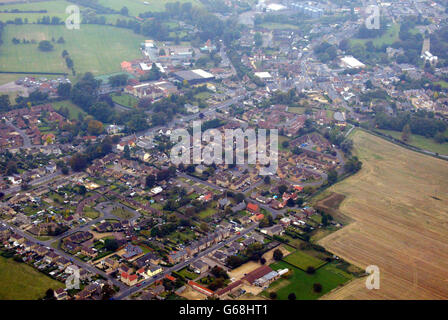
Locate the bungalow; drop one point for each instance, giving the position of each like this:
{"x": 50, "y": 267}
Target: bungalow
{"x": 275, "y": 230}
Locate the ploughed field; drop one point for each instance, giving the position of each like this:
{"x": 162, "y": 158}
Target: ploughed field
{"x": 398, "y": 203}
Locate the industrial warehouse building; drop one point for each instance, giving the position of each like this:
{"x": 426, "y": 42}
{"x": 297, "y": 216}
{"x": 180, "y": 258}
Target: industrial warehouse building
{"x": 194, "y": 76}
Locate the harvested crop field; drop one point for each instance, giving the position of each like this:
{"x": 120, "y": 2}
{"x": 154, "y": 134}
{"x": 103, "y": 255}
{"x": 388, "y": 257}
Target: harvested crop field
{"x": 398, "y": 203}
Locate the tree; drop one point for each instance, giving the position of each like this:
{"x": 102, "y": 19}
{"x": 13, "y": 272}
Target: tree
{"x": 292, "y": 296}
{"x": 317, "y": 287}
{"x": 95, "y": 127}
{"x": 49, "y": 294}
{"x": 124, "y": 11}
{"x": 78, "y": 162}
{"x": 267, "y": 179}
{"x": 310, "y": 270}
{"x": 64, "y": 90}
{"x": 332, "y": 176}
{"x": 282, "y": 189}
{"x": 406, "y": 133}
{"x": 439, "y": 138}
{"x": 111, "y": 244}
{"x": 258, "y": 39}
{"x": 290, "y": 203}
{"x": 150, "y": 181}
{"x": 45, "y": 46}
{"x": 277, "y": 255}
{"x": 127, "y": 152}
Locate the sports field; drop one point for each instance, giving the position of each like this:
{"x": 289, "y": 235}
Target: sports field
{"x": 398, "y": 202}
{"x": 303, "y": 261}
{"x": 301, "y": 284}
{"x": 20, "y": 281}
{"x": 94, "y": 48}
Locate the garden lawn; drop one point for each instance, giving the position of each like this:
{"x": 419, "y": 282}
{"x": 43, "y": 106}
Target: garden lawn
{"x": 301, "y": 284}
{"x": 303, "y": 261}
{"x": 20, "y": 281}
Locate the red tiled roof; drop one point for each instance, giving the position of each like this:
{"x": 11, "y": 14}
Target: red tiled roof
{"x": 252, "y": 207}
{"x": 257, "y": 273}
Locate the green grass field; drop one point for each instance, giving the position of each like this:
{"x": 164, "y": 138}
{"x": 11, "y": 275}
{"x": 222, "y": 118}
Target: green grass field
{"x": 296, "y": 110}
{"x": 389, "y": 37}
{"x": 94, "y": 48}
{"x": 125, "y": 100}
{"x": 122, "y": 213}
{"x": 54, "y": 9}
{"x": 72, "y": 108}
{"x": 301, "y": 283}
{"x": 138, "y": 6}
{"x": 22, "y": 282}
{"x": 420, "y": 142}
{"x": 303, "y": 261}
{"x": 278, "y": 26}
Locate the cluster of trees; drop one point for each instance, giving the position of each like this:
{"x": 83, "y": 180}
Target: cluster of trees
{"x": 80, "y": 161}
{"x": 353, "y": 165}
{"x": 68, "y": 61}
{"x": 325, "y": 52}
{"x": 118, "y": 80}
{"x": 49, "y": 20}
{"x": 422, "y": 123}
{"x": 45, "y": 46}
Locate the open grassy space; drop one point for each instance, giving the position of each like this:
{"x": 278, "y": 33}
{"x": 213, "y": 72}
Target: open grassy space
{"x": 420, "y": 142}
{"x": 122, "y": 213}
{"x": 278, "y": 26}
{"x": 296, "y": 110}
{"x": 98, "y": 49}
{"x": 22, "y": 282}
{"x": 73, "y": 109}
{"x": 301, "y": 283}
{"x": 138, "y": 6}
{"x": 389, "y": 37}
{"x": 53, "y": 8}
{"x": 398, "y": 204}
{"x": 125, "y": 100}
{"x": 303, "y": 261}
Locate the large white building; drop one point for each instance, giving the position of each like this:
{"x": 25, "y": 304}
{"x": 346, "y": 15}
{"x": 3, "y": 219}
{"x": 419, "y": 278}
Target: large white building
{"x": 351, "y": 62}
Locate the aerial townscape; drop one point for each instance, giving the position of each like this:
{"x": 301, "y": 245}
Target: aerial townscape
{"x": 93, "y": 207}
